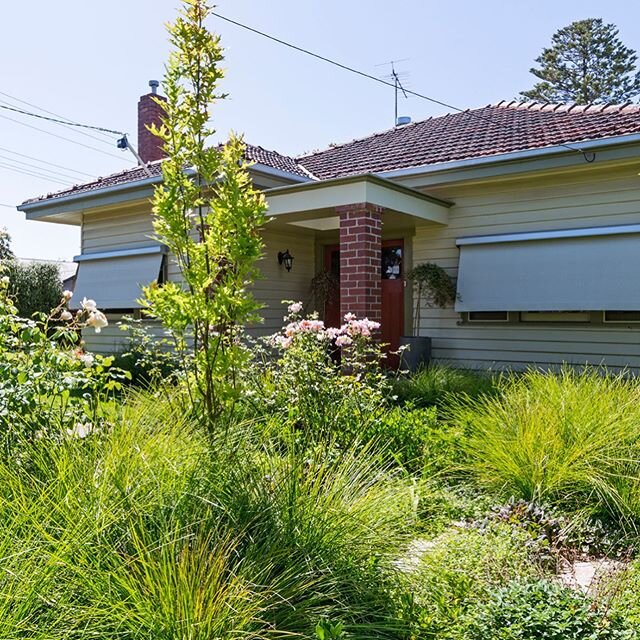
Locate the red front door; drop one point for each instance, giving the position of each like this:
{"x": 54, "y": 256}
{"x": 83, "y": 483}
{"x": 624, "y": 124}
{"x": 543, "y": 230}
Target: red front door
{"x": 392, "y": 285}
{"x": 392, "y": 294}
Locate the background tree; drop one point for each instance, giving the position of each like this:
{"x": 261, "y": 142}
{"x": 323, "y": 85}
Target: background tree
{"x": 33, "y": 287}
{"x": 586, "y": 63}
{"x": 5, "y": 246}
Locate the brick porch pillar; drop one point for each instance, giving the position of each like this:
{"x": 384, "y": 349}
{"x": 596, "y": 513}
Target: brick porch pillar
{"x": 360, "y": 255}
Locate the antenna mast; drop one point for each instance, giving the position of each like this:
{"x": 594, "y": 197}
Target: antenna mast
{"x": 395, "y": 77}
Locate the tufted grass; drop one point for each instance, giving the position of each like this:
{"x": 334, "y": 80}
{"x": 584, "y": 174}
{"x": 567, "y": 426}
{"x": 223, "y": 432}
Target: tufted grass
{"x": 570, "y": 437}
{"x": 145, "y": 531}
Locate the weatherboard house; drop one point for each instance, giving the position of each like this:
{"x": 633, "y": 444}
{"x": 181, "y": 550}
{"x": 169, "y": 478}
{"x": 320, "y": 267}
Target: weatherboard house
{"x": 533, "y": 209}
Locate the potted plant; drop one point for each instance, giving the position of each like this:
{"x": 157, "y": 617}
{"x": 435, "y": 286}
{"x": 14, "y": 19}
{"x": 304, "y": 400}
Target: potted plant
{"x": 434, "y": 286}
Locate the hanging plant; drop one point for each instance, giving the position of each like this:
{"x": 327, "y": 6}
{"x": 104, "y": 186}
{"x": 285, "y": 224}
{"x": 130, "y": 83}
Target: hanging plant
{"x": 433, "y": 285}
{"x": 325, "y": 288}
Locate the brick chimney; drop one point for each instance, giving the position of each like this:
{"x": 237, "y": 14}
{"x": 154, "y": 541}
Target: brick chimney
{"x": 150, "y": 112}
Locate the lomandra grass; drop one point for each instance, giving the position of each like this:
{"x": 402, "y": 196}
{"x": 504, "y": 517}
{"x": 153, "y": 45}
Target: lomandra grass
{"x": 436, "y": 384}
{"x": 570, "y": 437}
{"x": 141, "y": 530}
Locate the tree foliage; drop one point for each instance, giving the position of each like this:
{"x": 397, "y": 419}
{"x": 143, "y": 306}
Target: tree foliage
{"x": 586, "y": 63}
{"x": 34, "y": 287}
{"x": 5, "y": 246}
{"x": 209, "y": 216}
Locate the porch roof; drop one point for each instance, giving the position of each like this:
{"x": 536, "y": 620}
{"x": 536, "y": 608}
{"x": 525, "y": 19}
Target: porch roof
{"x": 317, "y": 201}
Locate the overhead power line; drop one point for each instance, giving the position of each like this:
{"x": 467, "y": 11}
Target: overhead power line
{"x": 43, "y": 170}
{"x": 369, "y": 76}
{"x": 55, "y": 135}
{"x": 106, "y": 138}
{"x": 52, "y": 164}
{"x": 33, "y": 174}
{"x": 68, "y": 123}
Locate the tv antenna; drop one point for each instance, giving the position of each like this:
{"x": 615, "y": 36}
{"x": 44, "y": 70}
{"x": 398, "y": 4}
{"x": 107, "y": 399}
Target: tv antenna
{"x": 397, "y": 79}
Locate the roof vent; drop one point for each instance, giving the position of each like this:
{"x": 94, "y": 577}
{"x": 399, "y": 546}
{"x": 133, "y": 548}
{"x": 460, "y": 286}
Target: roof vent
{"x": 402, "y": 120}
{"x": 154, "y": 84}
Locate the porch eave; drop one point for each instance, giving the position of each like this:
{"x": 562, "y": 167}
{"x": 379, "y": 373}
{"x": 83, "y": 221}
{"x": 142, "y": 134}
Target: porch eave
{"x": 318, "y": 199}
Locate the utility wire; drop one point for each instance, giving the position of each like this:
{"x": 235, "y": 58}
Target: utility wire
{"x": 108, "y": 140}
{"x": 68, "y": 123}
{"x": 55, "y": 135}
{"x": 44, "y": 170}
{"x": 52, "y": 164}
{"x": 8, "y": 206}
{"x": 380, "y": 80}
{"x": 33, "y": 174}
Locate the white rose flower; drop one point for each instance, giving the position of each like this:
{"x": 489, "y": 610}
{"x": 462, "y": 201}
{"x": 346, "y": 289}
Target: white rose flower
{"x": 89, "y": 305}
{"x": 87, "y": 358}
{"x": 66, "y": 315}
{"x": 97, "y": 320}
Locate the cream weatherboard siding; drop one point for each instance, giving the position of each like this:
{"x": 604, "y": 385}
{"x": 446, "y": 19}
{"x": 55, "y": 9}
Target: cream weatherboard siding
{"x": 590, "y": 198}
{"x": 131, "y": 228}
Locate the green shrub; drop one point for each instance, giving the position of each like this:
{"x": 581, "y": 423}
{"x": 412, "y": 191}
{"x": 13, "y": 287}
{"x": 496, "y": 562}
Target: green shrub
{"x": 35, "y": 287}
{"x": 411, "y": 436}
{"x": 322, "y": 380}
{"x": 416, "y": 438}
{"x": 48, "y": 385}
{"x": 571, "y": 438}
{"x": 621, "y": 588}
{"x": 149, "y": 358}
{"x": 459, "y": 569}
{"x": 436, "y": 384}
{"x": 542, "y": 610}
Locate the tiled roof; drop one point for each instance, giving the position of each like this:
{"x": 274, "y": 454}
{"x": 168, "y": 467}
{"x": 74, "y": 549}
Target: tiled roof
{"x": 254, "y": 154}
{"x": 491, "y": 130}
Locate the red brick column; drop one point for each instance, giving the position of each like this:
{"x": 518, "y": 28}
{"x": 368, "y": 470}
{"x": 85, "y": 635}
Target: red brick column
{"x": 360, "y": 254}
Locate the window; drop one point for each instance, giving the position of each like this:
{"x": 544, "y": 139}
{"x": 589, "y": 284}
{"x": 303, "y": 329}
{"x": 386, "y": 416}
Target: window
{"x": 488, "y": 316}
{"x": 114, "y": 278}
{"x": 392, "y": 263}
{"x": 550, "y": 271}
{"x": 621, "y": 316}
{"x": 555, "y": 316}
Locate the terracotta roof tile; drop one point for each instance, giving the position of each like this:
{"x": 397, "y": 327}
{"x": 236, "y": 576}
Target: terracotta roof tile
{"x": 495, "y": 129}
{"x": 254, "y": 154}
{"x": 492, "y": 130}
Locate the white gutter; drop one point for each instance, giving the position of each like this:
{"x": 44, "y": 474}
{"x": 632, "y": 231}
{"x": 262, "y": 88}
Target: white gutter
{"x": 529, "y": 154}
{"x": 100, "y": 191}
{"x": 526, "y": 236}
{"x": 117, "y": 188}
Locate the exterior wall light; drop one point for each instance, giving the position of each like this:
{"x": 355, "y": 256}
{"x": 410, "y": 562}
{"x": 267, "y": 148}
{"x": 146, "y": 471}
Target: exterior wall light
{"x": 285, "y": 258}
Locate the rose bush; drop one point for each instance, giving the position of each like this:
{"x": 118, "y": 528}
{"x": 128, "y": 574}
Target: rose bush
{"x": 323, "y": 379}
{"x": 49, "y": 386}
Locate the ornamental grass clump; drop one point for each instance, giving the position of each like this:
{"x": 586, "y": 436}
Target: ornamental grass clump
{"x": 571, "y": 437}
{"x": 142, "y": 530}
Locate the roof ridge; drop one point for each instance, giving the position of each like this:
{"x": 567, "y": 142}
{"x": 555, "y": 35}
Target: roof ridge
{"x": 568, "y": 107}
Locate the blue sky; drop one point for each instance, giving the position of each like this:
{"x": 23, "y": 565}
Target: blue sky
{"x": 90, "y": 61}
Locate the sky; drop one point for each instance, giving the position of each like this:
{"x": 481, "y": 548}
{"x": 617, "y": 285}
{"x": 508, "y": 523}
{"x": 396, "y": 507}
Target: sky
{"x": 90, "y": 62}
